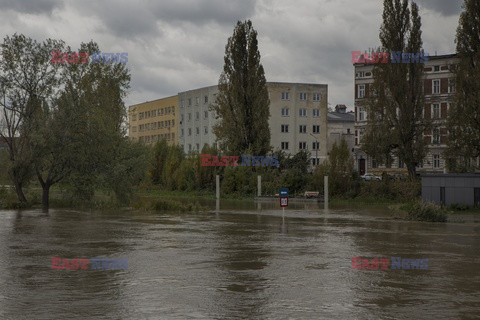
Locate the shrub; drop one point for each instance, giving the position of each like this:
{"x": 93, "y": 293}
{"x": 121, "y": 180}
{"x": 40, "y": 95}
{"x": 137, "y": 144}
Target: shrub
{"x": 427, "y": 211}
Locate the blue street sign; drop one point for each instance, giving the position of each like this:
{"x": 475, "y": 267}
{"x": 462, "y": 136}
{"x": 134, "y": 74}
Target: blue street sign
{"x": 284, "y": 192}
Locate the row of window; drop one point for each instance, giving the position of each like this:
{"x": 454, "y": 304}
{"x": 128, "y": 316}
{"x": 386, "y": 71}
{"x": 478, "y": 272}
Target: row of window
{"x": 284, "y": 128}
{"x": 197, "y": 116}
{"x": 436, "y": 88}
{"x": 197, "y": 101}
{"x": 155, "y": 138}
{"x": 303, "y": 96}
{"x": 197, "y": 145}
{"x": 153, "y": 113}
{"x": 155, "y": 125}
{"x": 197, "y": 131}
{"x": 435, "y": 112}
{"x": 302, "y": 145}
{"x": 302, "y": 112}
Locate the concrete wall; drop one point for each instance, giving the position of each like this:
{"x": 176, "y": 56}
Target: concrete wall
{"x": 459, "y": 189}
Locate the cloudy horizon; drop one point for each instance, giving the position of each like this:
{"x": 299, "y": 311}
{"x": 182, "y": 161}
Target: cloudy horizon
{"x": 174, "y": 46}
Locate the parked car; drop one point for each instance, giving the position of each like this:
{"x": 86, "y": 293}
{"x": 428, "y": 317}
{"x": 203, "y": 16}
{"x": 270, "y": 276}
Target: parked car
{"x": 370, "y": 176}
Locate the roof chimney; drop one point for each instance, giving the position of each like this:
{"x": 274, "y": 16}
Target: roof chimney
{"x": 341, "y": 108}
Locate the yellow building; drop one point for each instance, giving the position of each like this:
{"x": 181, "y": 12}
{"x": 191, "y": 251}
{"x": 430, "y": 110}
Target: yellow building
{"x": 152, "y": 121}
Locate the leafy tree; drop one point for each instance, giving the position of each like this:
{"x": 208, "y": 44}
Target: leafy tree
{"x": 464, "y": 115}
{"x": 28, "y": 81}
{"x": 242, "y": 102}
{"x": 395, "y": 101}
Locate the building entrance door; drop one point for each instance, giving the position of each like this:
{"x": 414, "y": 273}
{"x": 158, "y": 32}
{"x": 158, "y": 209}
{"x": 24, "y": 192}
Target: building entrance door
{"x": 361, "y": 166}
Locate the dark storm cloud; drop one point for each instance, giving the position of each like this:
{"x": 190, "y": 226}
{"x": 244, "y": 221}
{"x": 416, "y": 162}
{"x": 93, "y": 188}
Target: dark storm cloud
{"x": 29, "y": 6}
{"x": 445, "y": 7}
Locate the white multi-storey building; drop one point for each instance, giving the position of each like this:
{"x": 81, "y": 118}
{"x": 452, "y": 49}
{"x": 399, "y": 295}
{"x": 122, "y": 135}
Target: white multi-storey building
{"x": 298, "y": 118}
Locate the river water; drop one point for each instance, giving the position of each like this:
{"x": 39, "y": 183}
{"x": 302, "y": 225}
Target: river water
{"x": 241, "y": 262}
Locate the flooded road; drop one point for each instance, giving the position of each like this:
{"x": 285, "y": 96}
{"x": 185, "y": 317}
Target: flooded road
{"x": 240, "y": 263}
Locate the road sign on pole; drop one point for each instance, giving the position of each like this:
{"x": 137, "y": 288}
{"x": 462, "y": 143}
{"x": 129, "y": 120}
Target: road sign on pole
{"x": 283, "y": 197}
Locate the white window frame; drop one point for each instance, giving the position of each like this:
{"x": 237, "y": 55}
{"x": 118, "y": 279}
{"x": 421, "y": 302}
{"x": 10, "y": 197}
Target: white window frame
{"x": 361, "y": 91}
{"x": 434, "y": 86}
{"x": 436, "y": 110}
{"x": 316, "y": 96}
{"x": 436, "y": 161}
{"x": 302, "y": 112}
{"x": 303, "y": 96}
{"x": 285, "y": 96}
{"x": 285, "y": 112}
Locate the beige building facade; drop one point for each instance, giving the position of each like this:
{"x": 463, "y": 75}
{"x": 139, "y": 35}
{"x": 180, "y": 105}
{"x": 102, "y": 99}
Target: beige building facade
{"x": 153, "y": 121}
{"x": 439, "y": 89}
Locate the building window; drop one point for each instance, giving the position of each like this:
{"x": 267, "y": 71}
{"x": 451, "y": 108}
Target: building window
{"x": 197, "y": 100}
{"x": 436, "y": 68}
{"x": 285, "y": 96}
{"x": 284, "y": 128}
{"x": 436, "y": 161}
{"x": 205, "y": 114}
{"x": 205, "y": 99}
{"x": 316, "y": 97}
{"x": 205, "y": 129}
{"x": 189, "y": 147}
{"x": 361, "y": 114}
{"x": 316, "y": 113}
{"x": 316, "y": 145}
{"x": 189, "y": 116}
{"x": 154, "y": 113}
{"x": 197, "y": 130}
{"x": 316, "y": 128}
{"x": 134, "y": 117}
{"x": 348, "y": 131}
{"x": 189, "y": 131}
{"x": 190, "y": 103}
{"x": 451, "y": 85}
{"x": 198, "y": 146}
{"x": 302, "y": 112}
{"x": 285, "y": 112}
{"x": 303, "y": 96}
{"x": 302, "y": 145}
{"x": 436, "y": 86}
{"x": 197, "y": 115}
{"x": 361, "y": 74}
{"x": 284, "y": 145}
{"x": 436, "y": 136}
{"x": 140, "y": 116}
{"x": 181, "y": 119}
{"x": 436, "y": 111}
{"x": 302, "y": 128}
{"x": 361, "y": 91}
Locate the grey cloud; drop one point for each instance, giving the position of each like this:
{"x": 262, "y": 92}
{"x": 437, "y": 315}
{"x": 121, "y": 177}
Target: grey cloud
{"x": 199, "y": 12}
{"x": 445, "y": 7}
{"x": 31, "y": 7}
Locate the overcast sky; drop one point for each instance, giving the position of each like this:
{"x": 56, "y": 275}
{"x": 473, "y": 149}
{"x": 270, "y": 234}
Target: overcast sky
{"x": 178, "y": 45}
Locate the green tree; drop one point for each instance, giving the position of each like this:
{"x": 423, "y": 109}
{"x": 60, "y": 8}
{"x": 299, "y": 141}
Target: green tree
{"x": 464, "y": 115}
{"x": 242, "y": 102}
{"x": 28, "y": 80}
{"x": 395, "y": 101}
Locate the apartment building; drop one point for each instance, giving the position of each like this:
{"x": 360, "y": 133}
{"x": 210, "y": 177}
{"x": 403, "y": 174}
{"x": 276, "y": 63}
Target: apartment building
{"x": 298, "y": 118}
{"x": 153, "y": 121}
{"x": 439, "y": 88}
{"x": 298, "y": 114}
{"x": 341, "y": 125}
{"x": 196, "y": 120}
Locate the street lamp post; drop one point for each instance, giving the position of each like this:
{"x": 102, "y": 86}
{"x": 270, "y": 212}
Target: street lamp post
{"x": 316, "y": 149}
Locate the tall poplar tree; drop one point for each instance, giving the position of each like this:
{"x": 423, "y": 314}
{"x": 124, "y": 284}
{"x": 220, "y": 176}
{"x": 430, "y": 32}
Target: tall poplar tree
{"x": 395, "y": 102}
{"x": 242, "y": 104}
{"x": 464, "y": 114}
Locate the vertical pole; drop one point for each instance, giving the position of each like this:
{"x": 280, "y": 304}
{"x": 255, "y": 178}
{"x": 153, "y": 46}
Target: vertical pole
{"x": 325, "y": 192}
{"x": 259, "y": 186}
{"x": 218, "y": 186}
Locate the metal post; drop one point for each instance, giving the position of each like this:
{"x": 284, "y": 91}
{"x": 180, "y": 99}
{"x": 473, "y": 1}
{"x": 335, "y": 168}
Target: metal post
{"x": 325, "y": 192}
{"x": 259, "y": 186}
{"x": 218, "y": 186}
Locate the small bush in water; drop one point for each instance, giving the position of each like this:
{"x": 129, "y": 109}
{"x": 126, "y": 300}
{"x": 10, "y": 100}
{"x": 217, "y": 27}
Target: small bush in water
{"x": 427, "y": 211}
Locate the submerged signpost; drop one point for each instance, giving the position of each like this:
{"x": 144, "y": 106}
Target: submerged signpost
{"x": 283, "y": 198}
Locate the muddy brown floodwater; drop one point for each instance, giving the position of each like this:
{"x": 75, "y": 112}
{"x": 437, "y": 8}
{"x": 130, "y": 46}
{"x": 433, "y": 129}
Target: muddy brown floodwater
{"x": 241, "y": 262}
